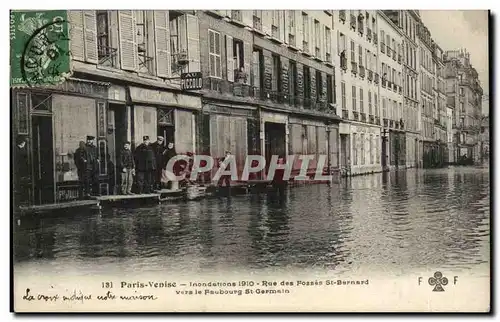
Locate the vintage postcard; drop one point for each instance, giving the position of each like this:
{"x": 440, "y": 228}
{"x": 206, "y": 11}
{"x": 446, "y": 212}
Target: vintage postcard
{"x": 250, "y": 160}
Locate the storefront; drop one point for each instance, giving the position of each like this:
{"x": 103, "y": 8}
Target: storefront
{"x": 224, "y": 127}
{"x": 164, "y": 113}
{"x": 56, "y": 119}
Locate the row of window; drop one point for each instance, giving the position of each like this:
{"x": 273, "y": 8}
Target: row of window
{"x": 372, "y": 104}
{"x": 408, "y": 24}
{"x": 427, "y": 83}
{"x": 410, "y": 55}
{"x": 390, "y": 74}
{"x": 410, "y": 87}
{"x": 363, "y": 146}
{"x": 276, "y": 75}
{"x": 391, "y": 109}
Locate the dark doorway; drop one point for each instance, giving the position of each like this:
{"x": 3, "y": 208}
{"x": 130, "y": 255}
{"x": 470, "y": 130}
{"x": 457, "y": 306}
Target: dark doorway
{"x": 43, "y": 159}
{"x": 275, "y": 143}
{"x": 167, "y": 131}
{"x": 384, "y": 152}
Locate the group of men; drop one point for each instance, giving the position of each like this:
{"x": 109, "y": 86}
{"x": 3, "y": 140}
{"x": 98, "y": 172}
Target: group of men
{"x": 144, "y": 166}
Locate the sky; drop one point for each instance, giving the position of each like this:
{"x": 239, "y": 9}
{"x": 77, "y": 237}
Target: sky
{"x": 468, "y": 29}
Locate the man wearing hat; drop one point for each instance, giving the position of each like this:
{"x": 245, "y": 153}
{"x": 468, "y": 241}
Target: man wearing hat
{"x": 92, "y": 168}
{"x": 21, "y": 171}
{"x": 158, "y": 148}
{"x": 145, "y": 165}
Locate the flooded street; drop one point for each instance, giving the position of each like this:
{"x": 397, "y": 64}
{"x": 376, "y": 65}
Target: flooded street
{"x": 398, "y": 222}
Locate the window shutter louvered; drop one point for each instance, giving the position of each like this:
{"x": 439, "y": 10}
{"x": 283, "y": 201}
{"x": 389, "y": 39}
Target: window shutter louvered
{"x": 77, "y": 37}
{"x": 128, "y": 45}
{"x": 193, "y": 42}
{"x": 90, "y": 37}
{"x": 162, "y": 43}
{"x": 247, "y": 53}
{"x": 230, "y": 58}
{"x": 299, "y": 37}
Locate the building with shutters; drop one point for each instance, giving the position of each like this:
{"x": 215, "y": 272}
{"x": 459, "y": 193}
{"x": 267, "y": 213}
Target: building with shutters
{"x": 427, "y": 97}
{"x": 407, "y": 21}
{"x": 391, "y": 94}
{"x": 125, "y": 84}
{"x": 440, "y": 133}
{"x": 464, "y": 95}
{"x": 358, "y": 79}
{"x": 268, "y": 85}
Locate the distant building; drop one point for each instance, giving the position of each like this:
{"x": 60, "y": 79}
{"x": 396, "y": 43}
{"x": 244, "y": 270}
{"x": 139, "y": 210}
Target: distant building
{"x": 464, "y": 94}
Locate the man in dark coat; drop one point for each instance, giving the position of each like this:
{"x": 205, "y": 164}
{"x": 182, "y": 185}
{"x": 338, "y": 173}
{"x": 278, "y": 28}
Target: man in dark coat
{"x": 145, "y": 165}
{"x": 158, "y": 148}
{"x": 168, "y": 154}
{"x": 127, "y": 166}
{"x": 21, "y": 172}
{"x": 92, "y": 168}
{"x": 80, "y": 158}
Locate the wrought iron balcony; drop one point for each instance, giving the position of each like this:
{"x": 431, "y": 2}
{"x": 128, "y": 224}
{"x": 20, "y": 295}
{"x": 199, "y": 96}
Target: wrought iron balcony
{"x": 342, "y": 15}
{"x": 361, "y": 71}
{"x": 370, "y": 75}
{"x": 353, "y": 22}
{"x": 354, "y": 67}
{"x": 355, "y": 115}
{"x": 372, "y": 119}
{"x": 257, "y": 24}
{"x": 345, "y": 114}
{"x": 236, "y": 15}
{"x": 363, "y": 117}
{"x": 343, "y": 62}
{"x": 106, "y": 55}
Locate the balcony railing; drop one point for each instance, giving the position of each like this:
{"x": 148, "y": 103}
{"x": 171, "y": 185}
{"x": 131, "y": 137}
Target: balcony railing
{"x": 361, "y": 71}
{"x": 343, "y": 63}
{"x": 354, "y": 67}
{"x": 355, "y": 115}
{"x": 369, "y": 34}
{"x": 377, "y": 77}
{"x": 375, "y": 38}
{"x": 345, "y": 114}
{"x": 106, "y": 55}
{"x": 257, "y": 24}
{"x": 353, "y": 22}
{"x": 342, "y": 15}
{"x": 363, "y": 117}
{"x": 236, "y": 15}
{"x": 382, "y": 47}
{"x": 386, "y": 122}
{"x": 370, "y": 75}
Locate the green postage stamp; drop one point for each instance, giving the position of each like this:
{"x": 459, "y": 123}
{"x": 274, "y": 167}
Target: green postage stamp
{"x": 39, "y": 48}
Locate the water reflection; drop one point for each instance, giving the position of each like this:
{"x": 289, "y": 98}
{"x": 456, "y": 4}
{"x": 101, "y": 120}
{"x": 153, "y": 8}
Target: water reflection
{"x": 397, "y": 221}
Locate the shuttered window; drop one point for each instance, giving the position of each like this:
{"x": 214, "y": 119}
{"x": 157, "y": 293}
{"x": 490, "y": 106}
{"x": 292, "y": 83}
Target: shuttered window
{"x": 83, "y": 35}
{"x": 214, "y": 53}
{"x": 128, "y": 45}
{"x": 162, "y": 43}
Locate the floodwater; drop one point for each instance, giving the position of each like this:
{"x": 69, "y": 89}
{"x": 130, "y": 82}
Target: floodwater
{"x": 397, "y": 222}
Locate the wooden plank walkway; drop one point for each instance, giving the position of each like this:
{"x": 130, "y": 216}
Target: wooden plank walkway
{"x": 94, "y": 204}
{"x": 113, "y": 198}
